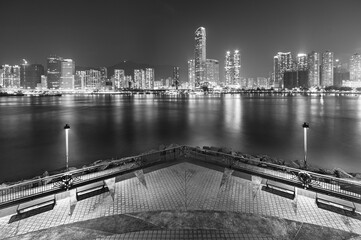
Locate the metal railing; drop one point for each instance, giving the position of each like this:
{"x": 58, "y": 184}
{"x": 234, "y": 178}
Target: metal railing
{"x": 319, "y": 183}
{"x": 110, "y": 168}
{"x": 53, "y": 183}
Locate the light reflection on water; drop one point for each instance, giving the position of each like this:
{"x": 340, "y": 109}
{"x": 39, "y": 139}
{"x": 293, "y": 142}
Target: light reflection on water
{"x": 32, "y": 135}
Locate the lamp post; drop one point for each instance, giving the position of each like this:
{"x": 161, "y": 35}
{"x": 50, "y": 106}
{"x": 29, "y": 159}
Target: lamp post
{"x": 67, "y": 127}
{"x": 305, "y": 127}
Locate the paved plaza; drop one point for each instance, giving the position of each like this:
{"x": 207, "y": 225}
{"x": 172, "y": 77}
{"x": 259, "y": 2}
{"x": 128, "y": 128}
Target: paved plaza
{"x": 185, "y": 190}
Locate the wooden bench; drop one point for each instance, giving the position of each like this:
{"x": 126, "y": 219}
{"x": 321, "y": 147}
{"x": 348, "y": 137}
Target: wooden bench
{"x": 36, "y": 204}
{"x": 90, "y": 188}
{"x": 336, "y": 202}
{"x": 281, "y": 187}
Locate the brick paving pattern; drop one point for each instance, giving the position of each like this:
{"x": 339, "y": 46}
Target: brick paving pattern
{"x": 183, "y": 187}
{"x": 185, "y": 234}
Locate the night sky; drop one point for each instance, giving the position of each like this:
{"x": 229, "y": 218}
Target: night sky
{"x": 102, "y": 33}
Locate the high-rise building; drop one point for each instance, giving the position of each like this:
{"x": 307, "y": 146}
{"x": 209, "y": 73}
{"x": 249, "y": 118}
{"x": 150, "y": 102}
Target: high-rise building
{"x": 138, "y": 78}
{"x": 119, "y": 76}
{"x": 103, "y": 76}
{"x": 129, "y": 81}
{"x": 7, "y": 76}
{"x": 23, "y": 71}
{"x": 340, "y": 73}
{"x": 250, "y": 83}
{"x": 232, "y": 68}
{"x": 92, "y": 79}
{"x": 262, "y": 82}
{"x": 10, "y": 76}
{"x": 200, "y": 55}
{"x": 314, "y": 69}
{"x": 54, "y": 72}
{"x": 228, "y": 66}
{"x": 67, "y": 74}
{"x": 176, "y": 77}
{"x": 355, "y": 67}
{"x": 302, "y": 62}
{"x": 294, "y": 79}
{"x": 33, "y": 75}
{"x": 79, "y": 80}
{"x": 191, "y": 73}
{"x": 236, "y": 67}
{"x": 212, "y": 71}
{"x": 327, "y": 69}
{"x": 282, "y": 62}
{"x": 44, "y": 82}
{"x": 149, "y": 78}
{"x": 1, "y": 77}
{"x": 16, "y": 76}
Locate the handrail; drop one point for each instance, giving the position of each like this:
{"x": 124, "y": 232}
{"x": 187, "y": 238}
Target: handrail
{"x": 280, "y": 167}
{"x": 53, "y": 183}
{"x": 319, "y": 182}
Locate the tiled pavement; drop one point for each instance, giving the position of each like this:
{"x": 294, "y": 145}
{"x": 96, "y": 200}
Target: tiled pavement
{"x": 186, "y": 234}
{"x": 183, "y": 187}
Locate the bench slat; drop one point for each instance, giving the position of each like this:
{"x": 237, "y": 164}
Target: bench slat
{"x": 337, "y": 202}
{"x": 280, "y": 186}
{"x": 90, "y": 188}
{"x": 36, "y": 203}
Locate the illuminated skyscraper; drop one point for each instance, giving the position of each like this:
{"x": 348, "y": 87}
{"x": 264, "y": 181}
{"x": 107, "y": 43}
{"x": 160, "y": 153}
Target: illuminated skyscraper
{"x": 191, "y": 73}
{"x": 139, "y": 78}
{"x": 10, "y": 76}
{"x": 228, "y": 66}
{"x": 200, "y": 55}
{"x": 314, "y": 69}
{"x": 149, "y": 78}
{"x": 262, "y": 82}
{"x": 282, "y": 62}
{"x": 327, "y": 69}
{"x": 80, "y": 80}
{"x": 1, "y": 77}
{"x": 54, "y": 72}
{"x": 212, "y": 73}
{"x": 236, "y": 67}
{"x": 302, "y": 62}
{"x": 340, "y": 73}
{"x": 92, "y": 79}
{"x": 176, "y": 77}
{"x": 129, "y": 81}
{"x": 143, "y": 86}
{"x": 16, "y": 76}
{"x": 103, "y": 76}
{"x": 7, "y": 76}
{"x": 67, "y": 74}
{"x": 23, "y": 70}
{"x": 119, "y": 76}
{"x": 233, "y": 68}
{"x": 44, "y": 82}
{"x": 355, "y": 67}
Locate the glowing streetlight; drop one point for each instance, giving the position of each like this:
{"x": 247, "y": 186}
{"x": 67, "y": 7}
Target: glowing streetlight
{"x": 305, "y": 127}
{"x": 67, "y": 127}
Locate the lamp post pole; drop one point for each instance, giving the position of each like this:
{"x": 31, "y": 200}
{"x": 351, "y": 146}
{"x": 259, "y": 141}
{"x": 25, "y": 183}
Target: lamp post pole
{"x": 305, "y": 127}
{"x": 67, "y": 127}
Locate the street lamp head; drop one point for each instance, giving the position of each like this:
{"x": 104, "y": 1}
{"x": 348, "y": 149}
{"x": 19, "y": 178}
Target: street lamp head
{"x": 305, "y": 125}
{"x": 66, "y": 126}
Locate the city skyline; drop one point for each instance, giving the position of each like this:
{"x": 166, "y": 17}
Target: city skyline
{"x": 148, "y": 31}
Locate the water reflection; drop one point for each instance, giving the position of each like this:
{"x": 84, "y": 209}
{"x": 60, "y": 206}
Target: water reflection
{"x": 32, "y": 136}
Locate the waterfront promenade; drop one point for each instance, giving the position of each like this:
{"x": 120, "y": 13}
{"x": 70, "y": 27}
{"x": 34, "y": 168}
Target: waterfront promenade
{"x": 184, "y": 193}
{"x": 185, "y": 201}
